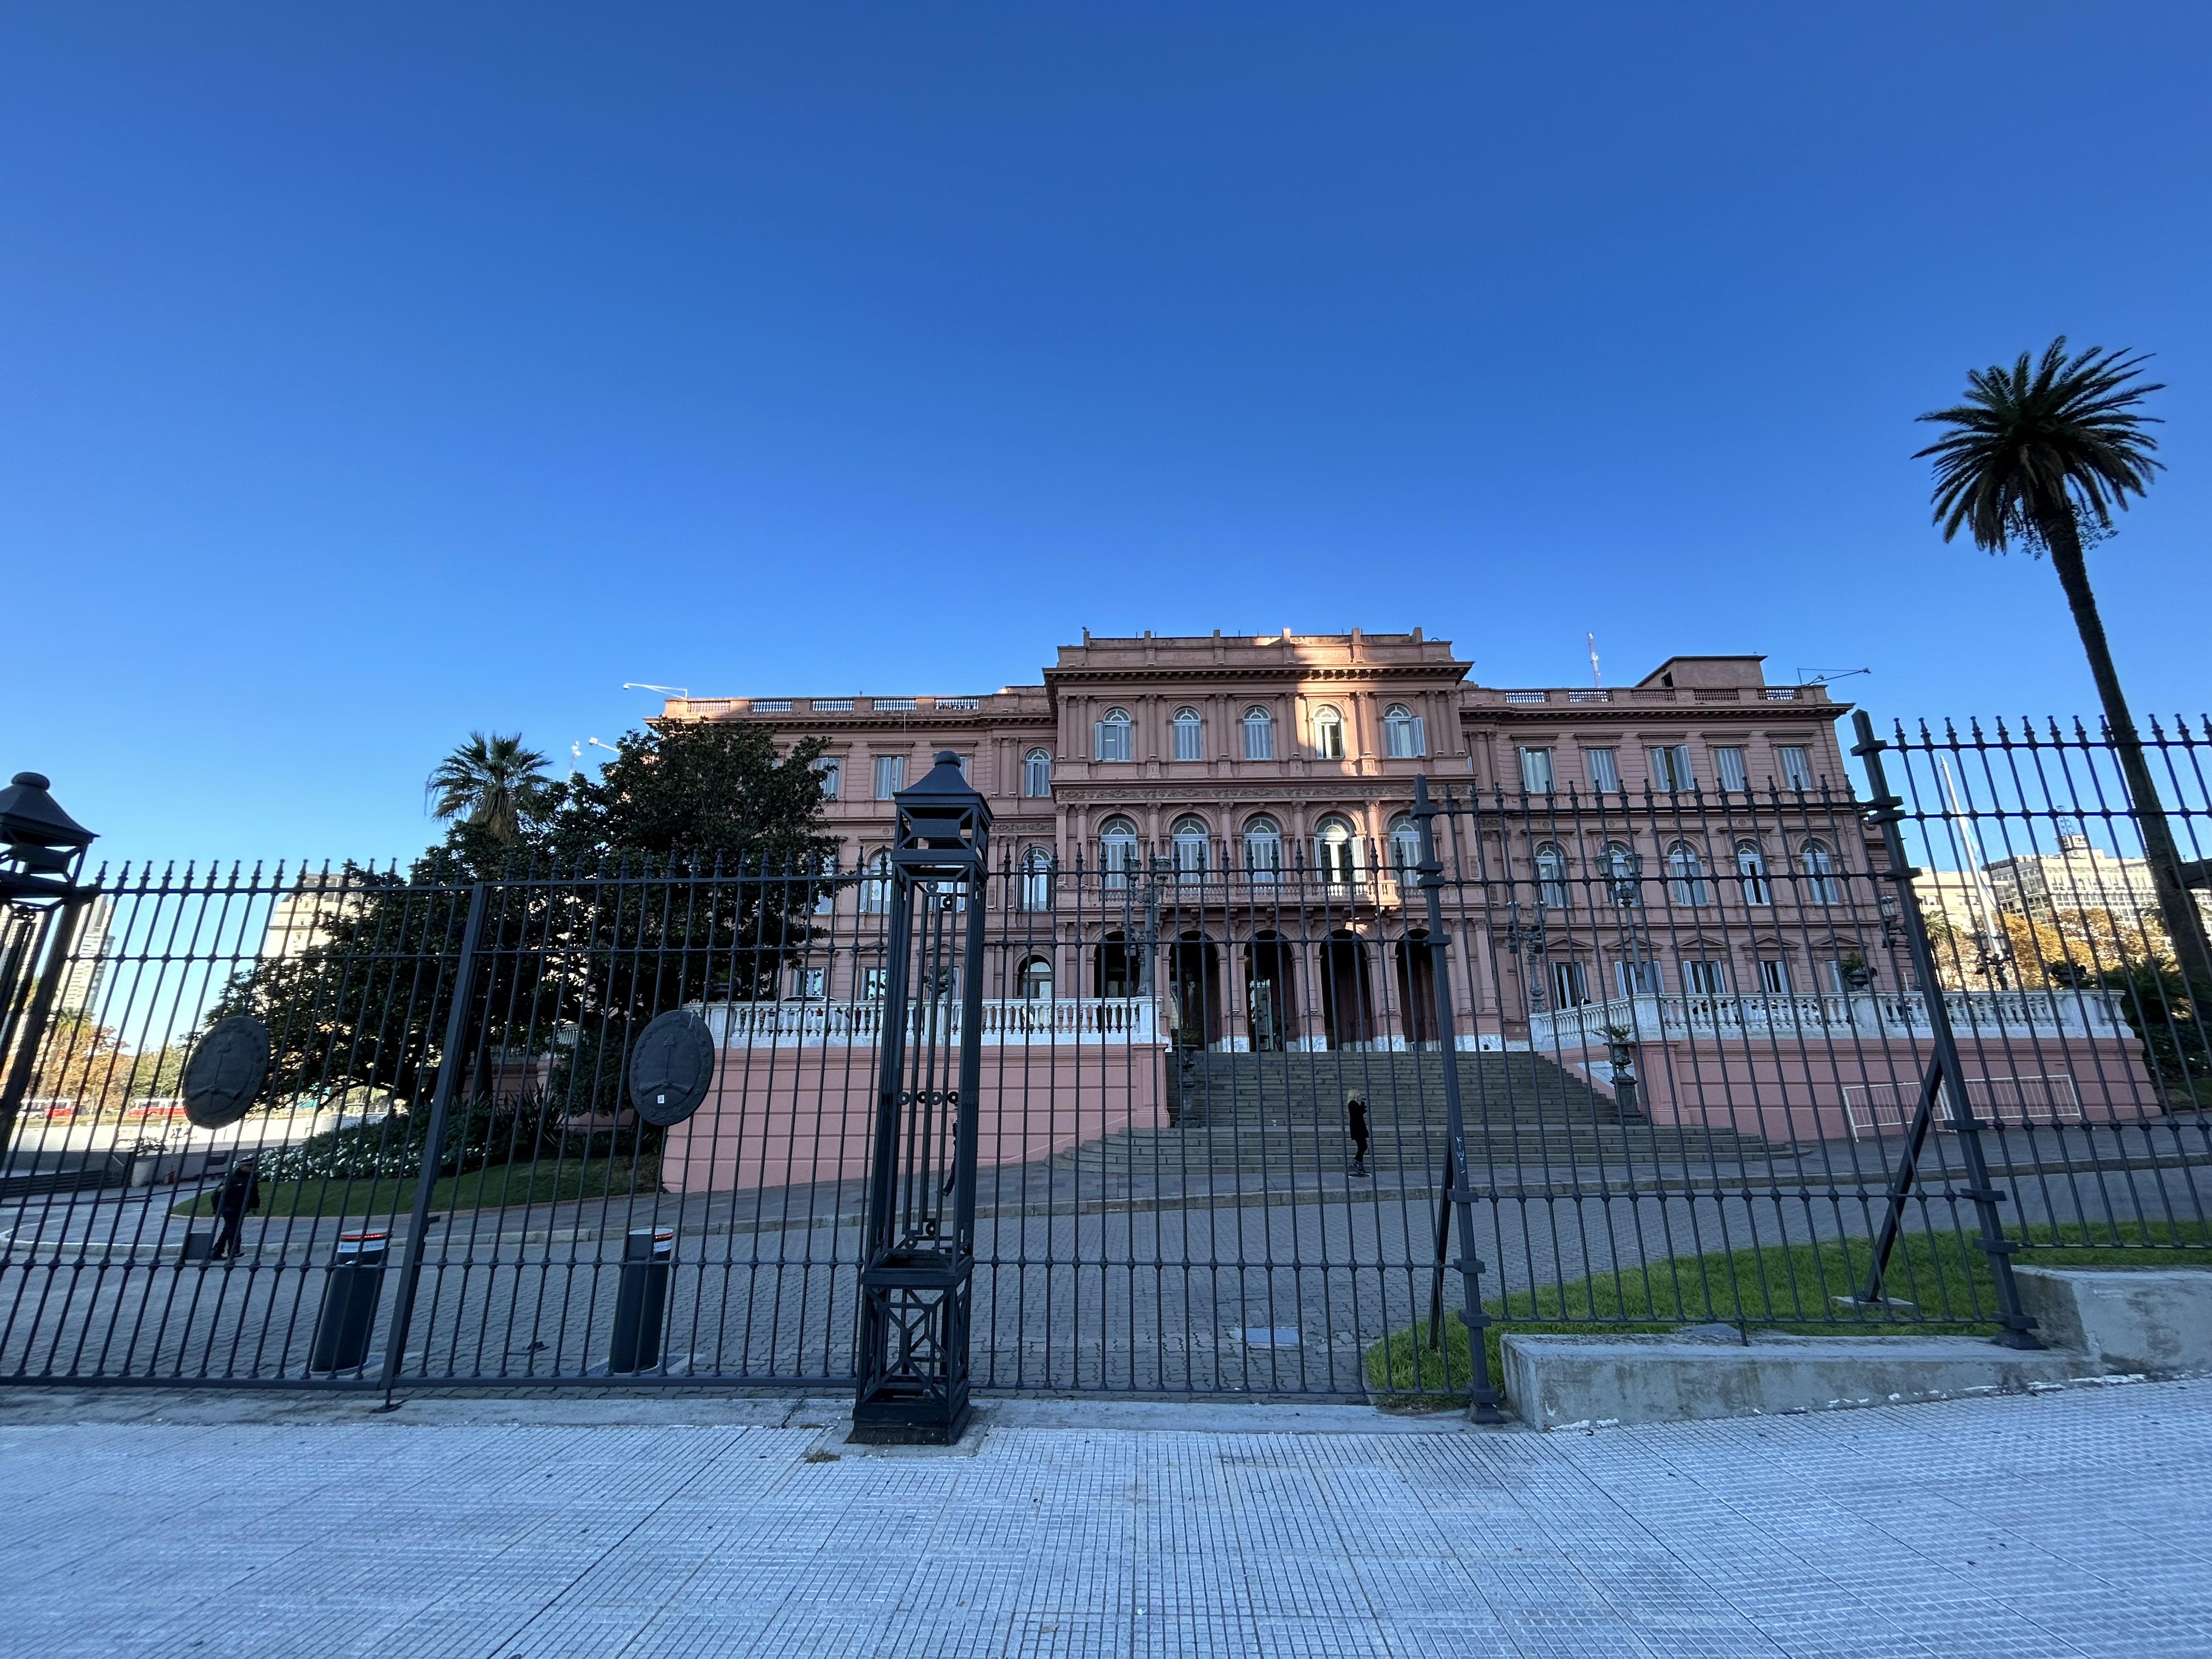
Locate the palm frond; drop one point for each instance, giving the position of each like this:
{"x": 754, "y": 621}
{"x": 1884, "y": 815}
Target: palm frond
{"x": 2061, "y": 437}
{"x": 490, "y": 781}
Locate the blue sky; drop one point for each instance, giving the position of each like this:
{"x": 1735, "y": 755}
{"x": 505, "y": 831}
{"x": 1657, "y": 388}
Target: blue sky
{"x": 371, "y": 373}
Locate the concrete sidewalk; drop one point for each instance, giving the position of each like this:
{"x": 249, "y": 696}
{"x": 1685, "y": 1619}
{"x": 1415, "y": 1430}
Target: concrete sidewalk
{"x": 2073, "y": 1522}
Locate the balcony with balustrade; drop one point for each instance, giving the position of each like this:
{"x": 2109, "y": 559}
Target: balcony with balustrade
{"x": 1041, "y": 1022}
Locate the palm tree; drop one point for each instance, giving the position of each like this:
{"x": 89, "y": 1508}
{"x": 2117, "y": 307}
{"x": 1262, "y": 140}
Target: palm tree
{"x": 493, "y": 781}
{"x": 2029, "y": 453}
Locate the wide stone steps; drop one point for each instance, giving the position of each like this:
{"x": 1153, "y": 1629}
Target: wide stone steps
{"x": 1310, "y": 1088}
{"x": 1249, "y": 1116}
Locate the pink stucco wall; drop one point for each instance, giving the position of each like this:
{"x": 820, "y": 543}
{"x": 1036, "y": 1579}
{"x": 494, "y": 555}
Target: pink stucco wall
{"x": 789, "y": 1117}
{"x": 1788, "y": 1092}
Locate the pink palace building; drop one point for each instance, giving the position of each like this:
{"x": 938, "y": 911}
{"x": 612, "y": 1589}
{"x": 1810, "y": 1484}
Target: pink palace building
{"x": 1221, "y": 774}
{"x": 1230, "y": 754}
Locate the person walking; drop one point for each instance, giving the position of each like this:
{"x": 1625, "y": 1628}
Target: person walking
{"x": 1355, "y": 1120}
{"x": 240, "y": 1192}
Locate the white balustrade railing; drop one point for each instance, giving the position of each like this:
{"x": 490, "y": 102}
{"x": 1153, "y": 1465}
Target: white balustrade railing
{"x": 1991, "y": 1014}
{"x": 1043, "y": 1022}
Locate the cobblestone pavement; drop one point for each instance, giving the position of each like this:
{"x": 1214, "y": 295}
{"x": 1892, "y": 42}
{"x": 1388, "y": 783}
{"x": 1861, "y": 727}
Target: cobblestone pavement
{"x": 201, "y": 1526}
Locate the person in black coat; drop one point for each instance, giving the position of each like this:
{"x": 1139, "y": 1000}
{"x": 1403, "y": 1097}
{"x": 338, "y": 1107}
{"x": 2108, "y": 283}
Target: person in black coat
{"x": 240, "y": 1192}
{"x": 1355, "y": 1120}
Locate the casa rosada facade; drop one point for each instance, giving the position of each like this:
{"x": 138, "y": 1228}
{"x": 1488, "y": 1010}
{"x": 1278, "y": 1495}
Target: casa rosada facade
{"x": 1226, "y": 760}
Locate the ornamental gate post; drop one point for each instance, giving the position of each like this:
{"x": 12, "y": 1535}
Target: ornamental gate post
{"x": 918, "y": 1252}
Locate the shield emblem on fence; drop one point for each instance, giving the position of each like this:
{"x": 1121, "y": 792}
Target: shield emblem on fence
{"x": 671, "y": 1067}
{"x": 227, "y": 1067}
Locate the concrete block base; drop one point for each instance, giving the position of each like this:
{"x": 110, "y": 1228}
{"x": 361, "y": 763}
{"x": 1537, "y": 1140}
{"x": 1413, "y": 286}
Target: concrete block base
{"x": 2129, "y": 1319}
{"x": 1583, "y": 1382}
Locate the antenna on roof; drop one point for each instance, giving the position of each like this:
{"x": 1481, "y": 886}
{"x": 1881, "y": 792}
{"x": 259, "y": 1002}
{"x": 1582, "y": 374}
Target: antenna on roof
{"x": 1592, "y": 638}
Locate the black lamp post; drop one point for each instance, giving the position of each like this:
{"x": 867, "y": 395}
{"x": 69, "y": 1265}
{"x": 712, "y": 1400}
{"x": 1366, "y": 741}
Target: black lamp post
{"x": 39, "y": 867}
{"x": 917, "y": 1253}
{"x": 1531, "y": 939}
{"x": 1625, "y": 874}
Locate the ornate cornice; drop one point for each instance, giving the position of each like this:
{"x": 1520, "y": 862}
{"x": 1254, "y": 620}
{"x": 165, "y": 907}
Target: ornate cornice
{"x": 1449, "y": 672}
{"x": 1643, "y": 716}
{"x": 1226, "y": 794}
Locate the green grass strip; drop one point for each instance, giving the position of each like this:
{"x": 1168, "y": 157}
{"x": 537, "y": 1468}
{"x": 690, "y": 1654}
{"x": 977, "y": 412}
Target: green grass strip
{"x": 501, "y": 1185}
{"x": 1781, "y": 1287}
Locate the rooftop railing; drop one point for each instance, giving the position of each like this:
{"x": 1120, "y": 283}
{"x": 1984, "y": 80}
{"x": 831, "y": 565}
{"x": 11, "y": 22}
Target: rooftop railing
{"x": 1901, "y": 1015}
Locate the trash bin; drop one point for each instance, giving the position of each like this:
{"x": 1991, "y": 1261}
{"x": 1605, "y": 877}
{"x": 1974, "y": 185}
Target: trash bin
{"x": 348, "y": 1319}
{"x": 641, "y": 1301}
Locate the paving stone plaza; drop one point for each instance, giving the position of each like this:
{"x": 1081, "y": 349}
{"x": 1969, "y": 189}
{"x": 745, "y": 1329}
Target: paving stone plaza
{"x": 170, "y": 1523}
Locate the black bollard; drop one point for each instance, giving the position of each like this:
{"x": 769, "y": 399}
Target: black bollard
{"x": 642, "y": 1302}
{"x": 351, "y": 1294}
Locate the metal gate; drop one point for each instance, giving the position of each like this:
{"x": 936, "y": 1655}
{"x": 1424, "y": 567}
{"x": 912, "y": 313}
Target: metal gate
{"x": 1250, "y": 1119}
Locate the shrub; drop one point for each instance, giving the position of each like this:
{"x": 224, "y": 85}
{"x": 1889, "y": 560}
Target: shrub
{"x": 478, "y": 1133}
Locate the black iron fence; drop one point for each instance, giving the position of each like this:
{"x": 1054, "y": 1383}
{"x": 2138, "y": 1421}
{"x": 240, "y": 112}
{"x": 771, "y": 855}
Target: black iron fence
{"x": 1290, "y": 1124}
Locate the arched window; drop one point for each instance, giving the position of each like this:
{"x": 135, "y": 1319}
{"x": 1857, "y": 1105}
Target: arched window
{"x": 1402, "y": 738}
{"x": 1404, "y": 845}
{"x": 1686, "y": 882}
{"x": 1191, "y": 839}
{"x": 1113, "y": 736}
{"x": 876, "y": 890}
{"x": 1551, "y": 875}
{"x": 1036, "y": 774}
{"x": 1329, "y": 733}
{"x": 1117, "y": 851}
{"x": 1189, "y": 735}
{"x": 1336, "y": 852}
{"x": 1036, "y": 980}
{"x": 1263, "y": 849}
{"x": 1259, "y": 733}
{"x": 1751, "y": 868}
{"x": 1821, "y": 887}
{"x": 1033, "y": 891}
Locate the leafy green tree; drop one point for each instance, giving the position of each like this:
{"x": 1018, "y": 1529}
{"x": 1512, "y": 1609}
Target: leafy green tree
{"x": 2032, "y": 452}
{"x": 695, "y": 794}
{"x": 685, "y": 873}
{"x": 492, "y": 782}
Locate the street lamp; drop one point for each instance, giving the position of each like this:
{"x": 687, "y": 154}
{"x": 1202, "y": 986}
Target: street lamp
{"x": 1624, "y": 875}
{"x": 1528, "y": 937}
{"x": 39, "y": 865}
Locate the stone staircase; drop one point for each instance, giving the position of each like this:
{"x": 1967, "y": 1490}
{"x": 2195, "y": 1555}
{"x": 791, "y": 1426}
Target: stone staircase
{"x": 1268, "y": 1117}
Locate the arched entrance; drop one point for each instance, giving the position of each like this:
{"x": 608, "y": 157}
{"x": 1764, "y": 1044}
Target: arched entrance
{"x": 1117, "y": 968}
{"x": 1417, "y": 989}
{"x": 1192, "y": 962}
{"x": 1270, "y": 991}
{"x": 1347, "y": 995}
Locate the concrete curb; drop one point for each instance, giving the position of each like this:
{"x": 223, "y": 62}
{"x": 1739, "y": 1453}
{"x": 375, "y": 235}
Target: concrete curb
{"x": 1599, "y": 1382}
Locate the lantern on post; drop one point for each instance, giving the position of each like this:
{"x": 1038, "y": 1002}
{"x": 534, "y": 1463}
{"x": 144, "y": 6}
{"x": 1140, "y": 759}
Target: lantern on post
{"x": 918, "y": 1252}
{"x": 41, "y": 904}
